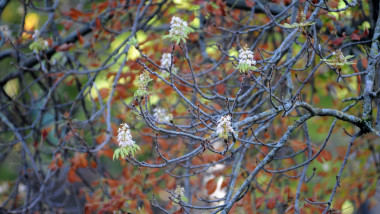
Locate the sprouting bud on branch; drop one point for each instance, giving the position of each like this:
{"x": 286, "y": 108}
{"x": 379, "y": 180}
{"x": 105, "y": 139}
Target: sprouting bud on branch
{"x": 339, "y": 59}
{"x": 143, "y": 84}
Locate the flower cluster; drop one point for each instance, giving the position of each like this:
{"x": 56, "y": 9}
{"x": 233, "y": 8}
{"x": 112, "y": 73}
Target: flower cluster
{"x": 179, "y": 192}
{"x": 126, "y": 144}
{"x": 177, "y": 27}
{"x": 7, "y": 33}
{"x": 246, "y": 60}
{"x": 124, "y": 136}
{"x": 39, "y": 44}
{"x": 166, "y": 61}
{"x": 144, "y": 80}
{"x": 161, "y": 115}
{"x": 224, "y": 127}
{"x": 339, "y": 59}
{"x": 178, "y": 30}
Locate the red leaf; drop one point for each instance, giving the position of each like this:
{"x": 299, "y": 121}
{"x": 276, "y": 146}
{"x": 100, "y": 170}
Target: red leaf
{"x": 44, "y": 133}
{"x": 211, "y": 186}
{"x": 365, "y": 33}
{"x": 355, "y": 36}
{"x": 337, "y": 41}
{"x": 259, "y": 202}
{"x": 249, "y": 3}
{"x": 98, "y": 24}
{"x": 271, "y": 203}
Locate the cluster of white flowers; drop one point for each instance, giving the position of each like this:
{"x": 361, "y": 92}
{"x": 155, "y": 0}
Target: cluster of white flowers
{"x": 6, "y": 32}
{"x": 177, "y": 27}
{"x": 166, "y": 60}
{"x": 124, "y": 136}
{"x": 224, "y": 127}
{"x": 143, "y": 78}
{"x": 179, "y": 191}
{"x": 246, "y": 57}
{"x": 161, "y": 115}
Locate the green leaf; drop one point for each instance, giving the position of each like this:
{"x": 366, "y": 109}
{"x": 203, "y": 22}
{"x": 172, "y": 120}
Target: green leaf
{"x": 349, "y": 57}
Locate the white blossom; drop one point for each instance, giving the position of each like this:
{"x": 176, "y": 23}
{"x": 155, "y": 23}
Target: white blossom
{"x": 246, "y": 57}
{"x": 224, "y": 126}
{"x": 179, "y": 191}
{"x": 161, "y": 115}
{"x": 166, "y": 60}
{"x": 143, "y": 79}
{"x": 177, "y": 27}
{"x": 124, "y": 136}
{"x": 36, "y": 34}
{"x": 6, "y": 32}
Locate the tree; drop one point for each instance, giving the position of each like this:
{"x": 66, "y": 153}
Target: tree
{"x": 205, "y": 106}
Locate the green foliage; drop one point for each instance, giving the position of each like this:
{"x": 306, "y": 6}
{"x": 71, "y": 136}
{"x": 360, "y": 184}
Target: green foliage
{"x": 339, "y": 59}
{"x": 244, "y": 67}
{"x": 39, "y": 45}
{"x": 303, "y": 24}
{"x": 125, "y": 151}
{"x": 133, "y": 41}
{"x": 177, "y": 38}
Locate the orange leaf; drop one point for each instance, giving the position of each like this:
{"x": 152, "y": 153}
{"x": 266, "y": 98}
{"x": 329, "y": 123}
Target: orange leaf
{"x": 324, "y": 156}
{"x": 224, "y": 184}
{"x": 104, "y": 92}
{"x": 211, "y": 186}
{"x": 59, "y": 162}
{"x": 112, "y": 182}
{"x": 93, "y": 164}
{"x": 80, "y": 38}
{"x": 133, "y": 204}
{"x": 298, "y": 145}
{"x": 221, "y": 88}
{"x": 72, "y": 176}
{"x": 365, "y": 62}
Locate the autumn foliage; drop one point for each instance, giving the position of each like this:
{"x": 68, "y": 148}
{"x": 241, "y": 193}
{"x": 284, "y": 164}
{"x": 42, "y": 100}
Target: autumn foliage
{"x": 238, "y": 107}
